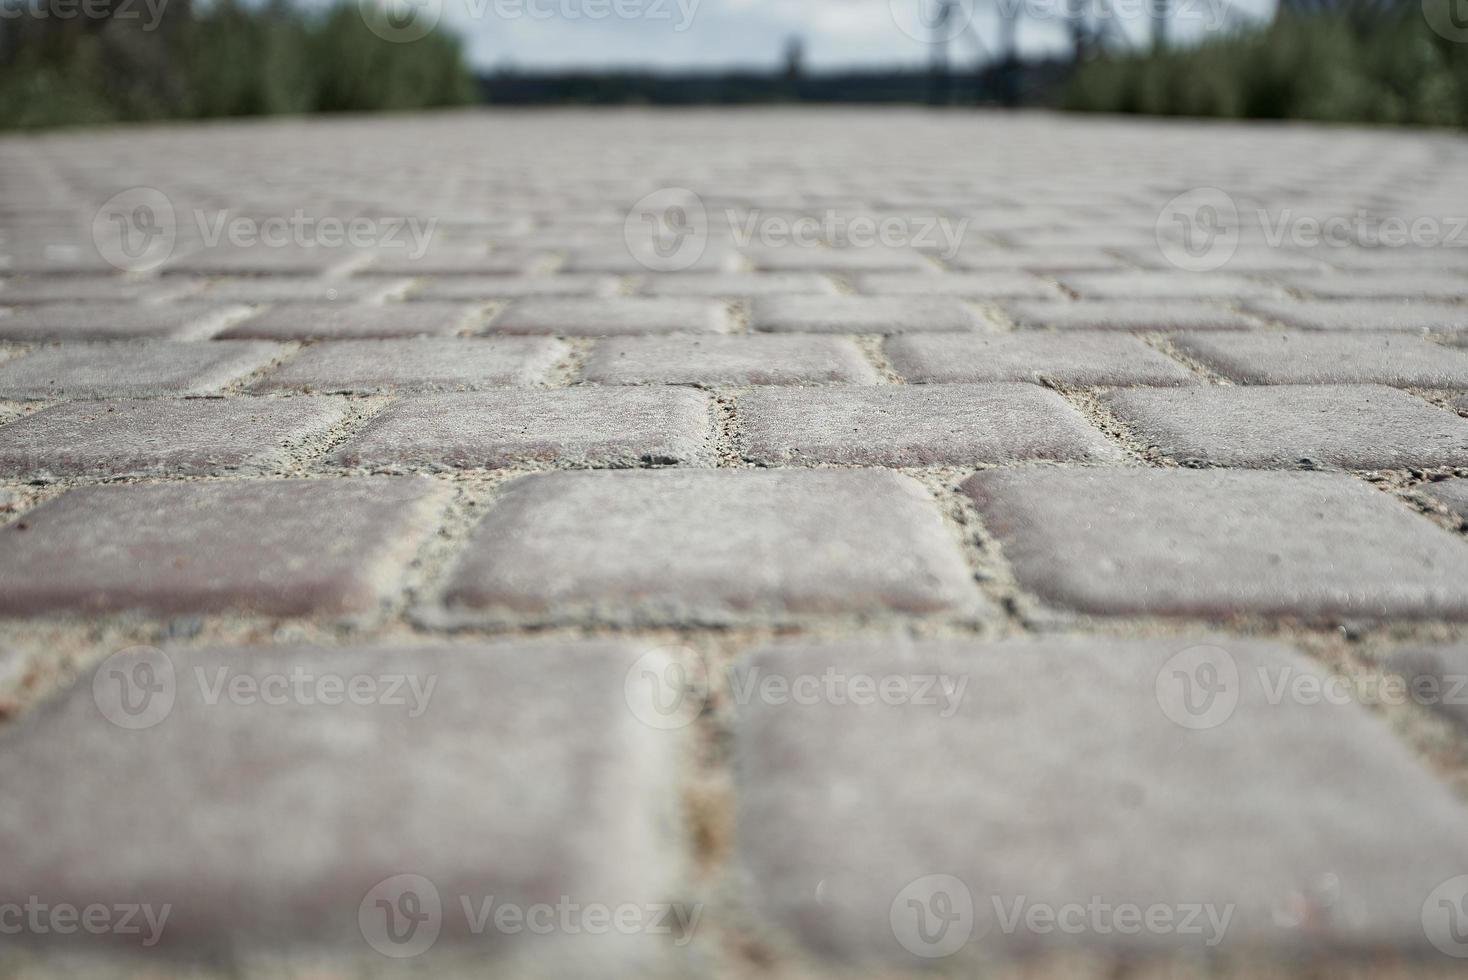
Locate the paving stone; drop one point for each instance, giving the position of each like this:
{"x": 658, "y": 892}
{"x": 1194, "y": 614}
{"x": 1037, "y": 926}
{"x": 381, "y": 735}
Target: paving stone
{"x": 269, "y": 547}
{"x": 1352, "y": 426}
{"x": 307, "y": 321}
{"x": 735, "y": 285}
{"x": 1363, "y": 314}
{"x": 1245, "y": 260}
{"x": 861, "y": 314}
{"x": 1216, "y": 544}
{"x": 512, "y": 287}
{"x": 611, "y": 317}
{"x": 1435, "y": 678}
{"x": 90, "y": 289}
{"x": 124, "y": 321}
{"x": 1276, "y": 357}
{"x": 132, "y": 370}
{"x": 1166, "y": 285}
{"x": 1074, "y": 358}
{"x": 132, "y": 438}
{"x": 859, "y": 814}
{"x": 715, "y": 546}
{"x": 742, "y": 360}
{"x": 617, "y": 258}
{"x": 421, "y": 364}
{"x": 796, "y": 258}
{"x": 973, "y": 285}
{"x": 445, "y": 262}
{"x": 226, "y": 260}
{"x": 1452, "y": 493}
{"x": 283, "y": 289}
{"x": 1410, "y": 285}
{"x": 568, "y": 426}
{"x": 1060, "y": 258}
{"x": 915, "y": 425}
{"x": 512, "y": 790}
{"x": 1126, "y": 315}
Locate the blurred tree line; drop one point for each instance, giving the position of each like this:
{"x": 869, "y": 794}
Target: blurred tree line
{"x": 1358, "y": 62}
{"x": 67, "y": 62}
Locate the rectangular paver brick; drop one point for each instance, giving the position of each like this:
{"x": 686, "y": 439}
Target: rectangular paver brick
{"x": 1295, "y": 357}
{"x": 614, "y": 316}
{"x": 288, "y": 289}
{"x": 308, "y": 321}
{"x": 1212, "y": 543}
{"x": 419, "y": 364}
{"x": 184, "y": 320}
{"x": 970, "y": 285}
{"x": 263, "y": 260}
{"x": 742, "y": 360}
{"x": 512, "y": 287}
{"x": 795, "y": 258}
{"x": 270, "y": 547}
{"x": 715, "y": 546}
{"x": 916, "y": 425}
{"x": 1362, "y": 314}
{"x": 861, "y": 314}
{"x": 1452, "y": 493}
{"x": 734, "y": 285}
{"x": 304, "y": 786}
{"x": 1166, "y": 285}
{"x": 1126, "y": 315}
{"x": 1436, "y": 678}
{"x": 566, "y": 426}
{"x": 1407, "y": 285}
{"x": 184, "y": 437}
{"x": 132, "y": 370}
{"x": 91, "y": 289}
{"x": 1073, "y": 358}
{"x": 906, "y": 828}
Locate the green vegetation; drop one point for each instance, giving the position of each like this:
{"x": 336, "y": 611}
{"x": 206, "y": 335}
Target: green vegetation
{"x": 1391, "y": 67}
{"x": 128, "y": 60}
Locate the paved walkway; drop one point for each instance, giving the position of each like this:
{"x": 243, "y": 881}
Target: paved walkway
{"x": 781, "y": 543}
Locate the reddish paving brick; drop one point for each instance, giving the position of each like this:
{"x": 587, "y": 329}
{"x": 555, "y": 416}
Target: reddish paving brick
{"x": 1166, "y": 285}
{"x": 566, "y": 426}
{"x": 1073, "y": 358}
{"x": 737, "y": 285}
{"x": 1352, "y": 426}
{"x": 610, "y": 317}
{"x": 1451, "y": 493}
{"x": 125, "y": 321}
{"x": 513, "y": 790}
{"x": 1216, "y": 544}
{"x": 512, "y": 287}
{"x": 133, "y": 438}
{"x": 423, "y": 364}
{"x": 1126, "y": 315}
{"x": 1006, "y": 285}
{"x": 916, "y": 425}
{"x": 951, "y": 798}
{"x": 1406, "y": 285}
{"x": 269, "y": 547}
{"x": 308, "y": 321}
{"x": 861, "y": 314}
{"x": 132, "y": 370}
{"x": 1274, "y": 357}
{"x": 1363, "y": 314}
{"x": 711, "y": 546}
{"x": 742, "y": 360}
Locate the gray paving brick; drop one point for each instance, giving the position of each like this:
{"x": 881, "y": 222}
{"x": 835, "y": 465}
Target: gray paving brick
{"x": 275, "y": 548}
{"x": 742, "y": 360}
{"x": 124, "y": 321}
{"x": 1166, "y": 285}
{"x": 1435, "y": 678}
{"x": 1218, "y": 544}
{"x": 1245, "y": 260}
{"x": 420, "y": 364}
{"x": 512, "y": 790}
{"x": 715, "y": 546}
{"x": 307, "y": 321}
{"x": 131, "y": 438}
{"x": 611, "y": 317}
{"x": 795, "y": 258}
{"x": 972, "y": 285}
{"x": 735, "y": 285}
{"x": 1075, "y": 358}
{"x": 988, "y": 791}
{"x": 132, "y": 370}
{"x": 226, "y": 260}
{"x": 569, "y": 426}
{"x": 90, "y": 289}
{"x": 1351, "y": 426}
{"x": 861, "y": 314}
{"x": 1363, "y": 314}
{"x": 1060, "y": 258}
{"x": 512, "y": 287}
{"x": 617, "y": 258}
{"x": 1126, "y": 315}
{"x": 1408, "y": 285}
{"x": 1276, "y": 357}
{"x": 915, "y": 425}
{"x": 450, "y": 262}
{"x": 288, "y": 289}
{"x": 1452, "y": 493}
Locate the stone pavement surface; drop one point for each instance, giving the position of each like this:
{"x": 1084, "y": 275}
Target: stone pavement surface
{"x": 807, "y": 544}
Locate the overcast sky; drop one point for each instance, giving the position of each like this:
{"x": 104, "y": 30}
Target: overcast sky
{"x": 538, "y": 34}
